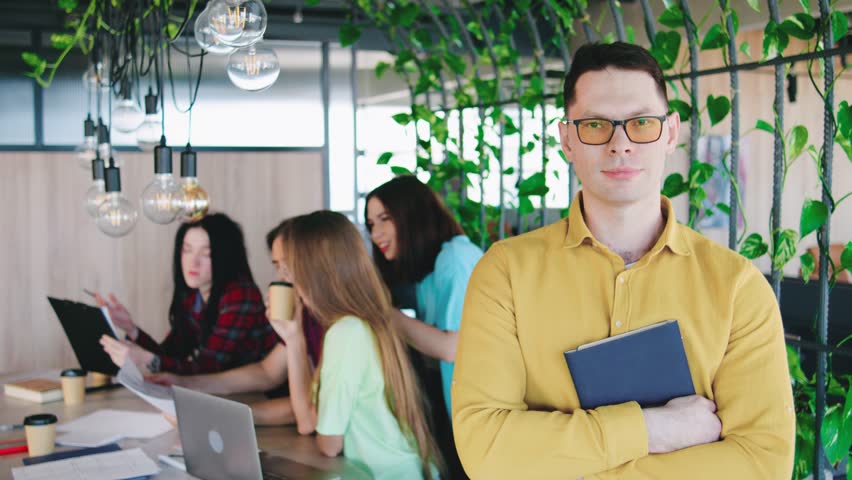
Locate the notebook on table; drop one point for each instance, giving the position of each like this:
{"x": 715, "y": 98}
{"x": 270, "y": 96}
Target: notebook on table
{"x": 647, "y": 365}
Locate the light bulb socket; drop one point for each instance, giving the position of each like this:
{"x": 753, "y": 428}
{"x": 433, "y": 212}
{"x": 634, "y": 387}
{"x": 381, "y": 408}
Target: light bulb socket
{"x": 188, "y": 162}
{"x": 88, "y": 127}
{"x": 98, "y": 168}
{"x": 150, "y": 102}
{"x": 103, "y": 133}
{"x": 113, "y": 179}
{"x": 162, "y": 158}
{"x": 124, "y": 92}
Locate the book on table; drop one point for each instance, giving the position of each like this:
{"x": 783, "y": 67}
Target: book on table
{"x": 39, "y": 390}
{"x": 647, "y": 365}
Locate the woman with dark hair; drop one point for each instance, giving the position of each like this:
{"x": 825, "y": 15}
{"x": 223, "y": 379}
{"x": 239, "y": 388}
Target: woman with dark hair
{"x": 216, "y": 315}
{"x": 417, "y": 241}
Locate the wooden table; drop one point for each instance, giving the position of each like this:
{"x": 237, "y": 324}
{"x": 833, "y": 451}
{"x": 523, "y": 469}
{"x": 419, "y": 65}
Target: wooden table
{"x": 279, "y": 441}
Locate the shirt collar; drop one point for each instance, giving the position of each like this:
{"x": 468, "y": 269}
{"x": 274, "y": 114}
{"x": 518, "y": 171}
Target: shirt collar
{"x": 672, "y": 236}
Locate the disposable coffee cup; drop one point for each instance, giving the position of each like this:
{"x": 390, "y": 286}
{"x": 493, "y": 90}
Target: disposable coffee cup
{"x": 73, "y": 386}
{"x": 281, "y": 301}
{"x": 40, "y": 430}
{"x": 99, "y": 379}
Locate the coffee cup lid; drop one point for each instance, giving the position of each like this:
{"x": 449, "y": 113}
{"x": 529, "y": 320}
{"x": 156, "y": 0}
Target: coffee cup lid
{"x": 73, "y": 372}
{"x": 281, "y": 283}
{"x": 40, "y": 419}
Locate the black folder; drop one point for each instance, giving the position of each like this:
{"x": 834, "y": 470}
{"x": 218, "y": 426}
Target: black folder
{"x": 647, "y": 365}
{"x": 84, "y": 325}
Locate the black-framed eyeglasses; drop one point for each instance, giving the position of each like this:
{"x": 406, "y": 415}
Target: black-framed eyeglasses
{"x": 598, "y": 131}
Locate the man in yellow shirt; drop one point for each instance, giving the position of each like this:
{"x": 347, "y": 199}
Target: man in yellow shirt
{"x": 619, "y": 262}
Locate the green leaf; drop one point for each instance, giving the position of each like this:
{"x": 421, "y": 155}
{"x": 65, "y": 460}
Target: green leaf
{"x": 455, "y": 62}
{"x": 673, "y": 17}
{"x": 808, "y": 266}
{"x": 381, "y": 68}
{"x": 718, "y": 108}
{"x": 401, "y": 171}
{"x": 422, "y": 38}
{"x": 724, "y": 208}
{"x": 754, "y": 247}
{"x": 796, "y": 141}
{"x": 700, "y": 173}
{"x": 312, "y": 3}
{"x": 384, "y": 158}
{"x": 510, "y": 128}
{"x": 68, "y": 5}
{"x": 831, "y": 434}
{"x": 765, "y": 126}
{"x": 665, "y": 48}
{"x": 774, "y": 41}
{"x": 509, "y": 171}
{"x": 61, "y": 41}
{"x": 814, "y": 216}
{"x": 172, "y": 30}
{"x": 32, "y": 59}
{"x": 475, "y": 30}
{"x": 800, "y": 25}
{"x": 534, "y": 185}
{"x": 682, "y": 108}
{"x": 839, "y": 25}
{"x": 525, "y": 206}
{"x": 754, "y": 5}
{"x": 349, "y": 34}
{"x": 806, "y": 5}
{"x": 630, "y": 32}
{"x": 785, "y": 247}
{"x": 745, "y": 49}
{"x": 846, "y": 257}
{"x": 715, "y": 38}
{"x": 844, "y": 119}
{"x": 402, "y": 118}
{"x": 845, "y": 144}
{"x": 422, "y": 112}
{"x": 441, "y": 131}
{"x": 674, "y": 185}
{"x": 794, "y": 364}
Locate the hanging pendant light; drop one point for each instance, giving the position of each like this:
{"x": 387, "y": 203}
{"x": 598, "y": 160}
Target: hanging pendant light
{"x": 161, "y": 197}
{"x": 116, "y": 216}
{"x": 194, "y": 201}
{"x": 86, "y": 151}
{"x": 96, "y": 194}
{"x": 126, "y": 116}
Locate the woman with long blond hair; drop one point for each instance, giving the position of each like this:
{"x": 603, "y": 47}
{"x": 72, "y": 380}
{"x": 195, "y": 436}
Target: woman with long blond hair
{"x": 367, "y": 404}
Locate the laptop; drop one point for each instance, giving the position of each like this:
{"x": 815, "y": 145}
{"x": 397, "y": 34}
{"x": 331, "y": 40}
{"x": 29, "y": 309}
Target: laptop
{"x": 84, "y": 325}
{"x": 219, "y": 443}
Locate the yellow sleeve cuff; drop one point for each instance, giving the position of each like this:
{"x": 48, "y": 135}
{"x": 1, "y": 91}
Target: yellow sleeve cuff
{"x": 625, "y": 434}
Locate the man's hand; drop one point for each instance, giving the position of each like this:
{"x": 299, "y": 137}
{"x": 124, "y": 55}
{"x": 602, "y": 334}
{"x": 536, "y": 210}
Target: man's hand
{"x": 681, "y": 423}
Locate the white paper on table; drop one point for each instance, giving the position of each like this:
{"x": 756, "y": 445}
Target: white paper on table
{"x": 157, "y": 395}
{"x": 88, "y": 439}
{"x": 127, "y": 424}
{"x": 101, "y": 466}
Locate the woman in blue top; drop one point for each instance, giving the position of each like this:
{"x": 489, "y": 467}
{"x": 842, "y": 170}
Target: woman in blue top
{"x": 417, "y": 241}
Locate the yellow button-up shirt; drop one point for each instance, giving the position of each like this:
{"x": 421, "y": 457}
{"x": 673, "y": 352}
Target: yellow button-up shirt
{"x": 515, "y": 409}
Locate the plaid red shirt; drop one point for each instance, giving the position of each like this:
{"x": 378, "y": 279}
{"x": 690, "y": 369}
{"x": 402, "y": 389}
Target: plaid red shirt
{"x": 241, "y": 335}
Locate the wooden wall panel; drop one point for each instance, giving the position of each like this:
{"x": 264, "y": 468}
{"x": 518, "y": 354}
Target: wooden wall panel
{"x": 49, "y": 245}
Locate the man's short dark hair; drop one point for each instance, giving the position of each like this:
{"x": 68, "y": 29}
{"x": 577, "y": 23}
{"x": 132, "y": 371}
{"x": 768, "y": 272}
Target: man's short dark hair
{"x": 599, "y": 56}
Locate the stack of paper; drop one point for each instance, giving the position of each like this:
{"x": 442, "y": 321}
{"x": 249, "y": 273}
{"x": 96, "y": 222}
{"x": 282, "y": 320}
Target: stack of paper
{"x": 157, "y": 395}
{"x": 108, "y": 426}
{"x": 118, "y": 465}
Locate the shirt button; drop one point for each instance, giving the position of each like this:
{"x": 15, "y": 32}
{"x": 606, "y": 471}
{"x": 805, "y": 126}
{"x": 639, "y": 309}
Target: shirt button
{"x": 618, "y": 323}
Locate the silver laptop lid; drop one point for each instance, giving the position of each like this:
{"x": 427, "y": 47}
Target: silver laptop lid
{"x": 218, "y": 437}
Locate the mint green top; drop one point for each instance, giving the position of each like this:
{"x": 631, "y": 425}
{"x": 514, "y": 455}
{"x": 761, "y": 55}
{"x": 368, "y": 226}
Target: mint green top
{"x": 352, "y": 403}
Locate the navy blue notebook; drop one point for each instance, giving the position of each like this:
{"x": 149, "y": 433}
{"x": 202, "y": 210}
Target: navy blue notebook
{"x": 80, "y": 452}
{"x": 647, "y": 365}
